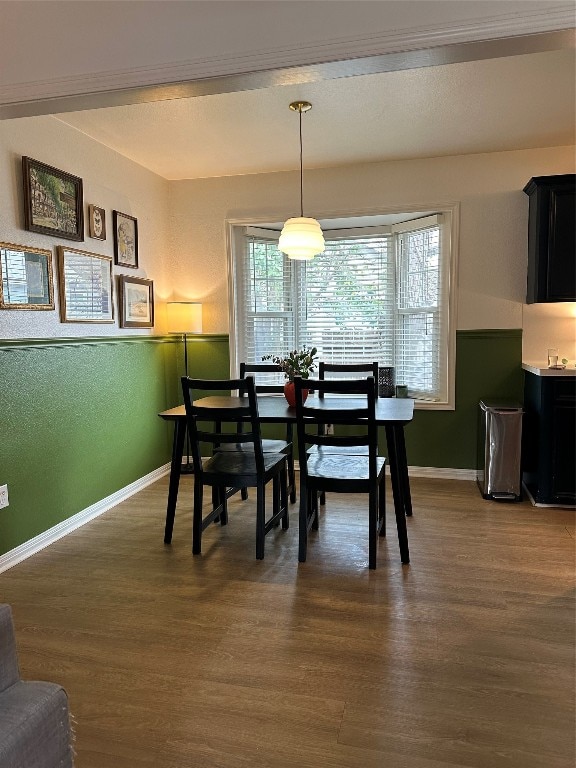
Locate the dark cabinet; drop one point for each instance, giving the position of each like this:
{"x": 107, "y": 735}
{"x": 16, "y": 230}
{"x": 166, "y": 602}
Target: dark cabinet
{"x": 549, "y": 438}
{"x": 551, "y": 239}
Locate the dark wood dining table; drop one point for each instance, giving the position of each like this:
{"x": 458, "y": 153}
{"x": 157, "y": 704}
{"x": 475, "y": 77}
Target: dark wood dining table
{"x": 391, "y": 413}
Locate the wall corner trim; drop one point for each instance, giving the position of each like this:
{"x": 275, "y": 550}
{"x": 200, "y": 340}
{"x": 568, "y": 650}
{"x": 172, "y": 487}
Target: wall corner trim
{"x": 17, "y": 555}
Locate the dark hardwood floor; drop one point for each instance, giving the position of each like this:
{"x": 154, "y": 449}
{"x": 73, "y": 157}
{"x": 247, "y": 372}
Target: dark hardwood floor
{"x": 464, "y": 658}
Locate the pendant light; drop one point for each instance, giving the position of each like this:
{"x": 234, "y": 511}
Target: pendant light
{"x": 301, "y": 238}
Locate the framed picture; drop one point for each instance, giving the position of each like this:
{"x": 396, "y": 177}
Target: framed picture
{"x": 85, "y": 283}
{"x": 53, "y": 202}
{"x": 97, "y": 222}
{"x": 136, "y": 302}
{"x": 125, "y": 240}
{"x": 26, "y": 277}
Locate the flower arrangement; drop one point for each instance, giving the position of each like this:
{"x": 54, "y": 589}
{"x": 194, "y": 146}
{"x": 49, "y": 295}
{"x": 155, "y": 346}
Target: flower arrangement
{"x": 299, "y": 362}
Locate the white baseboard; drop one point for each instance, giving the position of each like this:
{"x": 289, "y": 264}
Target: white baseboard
{"x": 442, "y": 473}
{"x": 15, "y": 556}
{"x": 439, "y": 473}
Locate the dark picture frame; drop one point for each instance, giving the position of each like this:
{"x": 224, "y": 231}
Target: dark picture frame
{"x": 96, "y": 222}
{"x": 85, "y": 286}
{"x": 53, "y": 201}
{"x": 136, "y": 302}
{"x": 26, "y": 280}
{"x": 125, "y": 240}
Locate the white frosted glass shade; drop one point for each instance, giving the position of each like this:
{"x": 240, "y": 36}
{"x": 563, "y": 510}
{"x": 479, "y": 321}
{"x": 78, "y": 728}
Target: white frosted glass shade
{"x": 184, "y": 317}
{"x": 301, "y": 239}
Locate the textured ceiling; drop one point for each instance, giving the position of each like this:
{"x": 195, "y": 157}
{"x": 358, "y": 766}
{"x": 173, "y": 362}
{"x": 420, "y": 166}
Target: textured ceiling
{"x": 518, "y": 102}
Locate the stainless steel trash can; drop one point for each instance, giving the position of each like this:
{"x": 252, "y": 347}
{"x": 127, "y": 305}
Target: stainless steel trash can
{"x": 499, "y": 450}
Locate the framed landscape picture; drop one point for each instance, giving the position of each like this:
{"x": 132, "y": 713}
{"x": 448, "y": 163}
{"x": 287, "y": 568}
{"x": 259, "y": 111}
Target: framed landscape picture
{"x": 53, "y": 201}
{"x": 125, "y": 240}
{"x": 26, "y": 277}
{"x": 97, "y": 222}
{"x": 136, "y": 302}
{"x": 85, "y": 283}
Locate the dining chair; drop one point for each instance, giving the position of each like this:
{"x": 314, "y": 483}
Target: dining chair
{"x": 350, "y": 370}
{"x": 269, "y": 445}
{"x": 215, "y": 421}
{"x": 323, "y": 470}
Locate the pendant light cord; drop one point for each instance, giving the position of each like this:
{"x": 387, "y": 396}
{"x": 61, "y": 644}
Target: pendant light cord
{"x": 301, "y": 173}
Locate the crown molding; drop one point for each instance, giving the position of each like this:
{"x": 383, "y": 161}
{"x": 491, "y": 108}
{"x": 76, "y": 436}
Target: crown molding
{"x": 552, "y": 28}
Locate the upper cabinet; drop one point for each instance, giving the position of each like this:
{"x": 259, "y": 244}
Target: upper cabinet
{"x": 551, "y": 238}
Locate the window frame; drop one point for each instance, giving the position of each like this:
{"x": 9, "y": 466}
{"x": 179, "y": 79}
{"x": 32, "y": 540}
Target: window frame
{"x": 235, "y": 240}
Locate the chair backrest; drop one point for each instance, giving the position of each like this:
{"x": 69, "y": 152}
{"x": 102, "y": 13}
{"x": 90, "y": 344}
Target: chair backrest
{"x": 358, "y": 413}
{"x": 219, "y": 418}
{"x": 351, "y": 371}
{"x": 269, "y": 368}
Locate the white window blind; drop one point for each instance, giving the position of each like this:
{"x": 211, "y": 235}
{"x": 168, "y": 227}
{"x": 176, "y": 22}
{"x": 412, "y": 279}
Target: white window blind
{"x": 374, "y": 294}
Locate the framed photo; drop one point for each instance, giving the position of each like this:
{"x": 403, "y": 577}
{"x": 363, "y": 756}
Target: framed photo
{"x": 125, "y": 240}
{"x": 53, "y": 202}
{"x": 85, "y": 283}
{"x": 26, "y": 277}
{"x": 97, "y": 222}
{"x": 136, "y": 302}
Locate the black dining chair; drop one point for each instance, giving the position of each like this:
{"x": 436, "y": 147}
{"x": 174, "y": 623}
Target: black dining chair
{"x": 323, "y": 470}
{"x": 215, "y": 421}
{"x": 346, "y": 371}
{"x": 269, "y": 445}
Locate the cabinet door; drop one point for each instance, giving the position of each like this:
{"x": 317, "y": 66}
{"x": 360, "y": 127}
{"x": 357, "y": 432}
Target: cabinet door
{"x": 551, "y": 238}
{"x": 561, "y": 263}
{"x": 563, "y": 446}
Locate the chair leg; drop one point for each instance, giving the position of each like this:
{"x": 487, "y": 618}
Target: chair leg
{"x": 314, "y": 510}
{"x": 322, "y": 499}
{"x": 276, "y": 498}
{"x": 197, "y": 518}
{"x": 382, "y": 507}
{"x": 373, "y": 527}
{"x": 244, "y": 494}
{"x": 284, "y": 500}
{"x": 260, "y": 521}
{"x": 303, "y": 524}
{"x": 291, "y": 478}
{"x": 223, "y": 500}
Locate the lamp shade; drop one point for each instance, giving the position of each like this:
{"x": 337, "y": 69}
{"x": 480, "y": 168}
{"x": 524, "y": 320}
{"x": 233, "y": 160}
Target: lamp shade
{"x": 301, "y": 239}
{"x": 184, "y": 317}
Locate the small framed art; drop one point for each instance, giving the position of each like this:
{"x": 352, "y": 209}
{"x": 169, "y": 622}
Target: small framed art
{"x": 136, "y": 302}
{"x": 97, "y": 222}
{"x": 125, "y": 240}
{"x": 53, "y": 202}
{"x": 85, "y": 282}
{"x": 26, "y": 277}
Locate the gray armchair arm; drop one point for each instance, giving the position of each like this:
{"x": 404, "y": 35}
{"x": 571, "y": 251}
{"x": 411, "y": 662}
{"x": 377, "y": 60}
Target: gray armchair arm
{"x": 9, "y": 673}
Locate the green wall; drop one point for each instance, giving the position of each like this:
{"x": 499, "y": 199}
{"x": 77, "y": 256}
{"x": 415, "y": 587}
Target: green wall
{"x": 78, "y": 417}
{"x": 488, "y": 365}
{"x": 78, "y": 420}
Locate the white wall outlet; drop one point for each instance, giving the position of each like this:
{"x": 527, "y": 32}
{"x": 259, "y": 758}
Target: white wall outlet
{"x": 329, "y": 429}
{"x": 3, "y": 496}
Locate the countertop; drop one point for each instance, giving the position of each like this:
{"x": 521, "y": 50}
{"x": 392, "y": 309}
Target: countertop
{"x": 541, "y": 369}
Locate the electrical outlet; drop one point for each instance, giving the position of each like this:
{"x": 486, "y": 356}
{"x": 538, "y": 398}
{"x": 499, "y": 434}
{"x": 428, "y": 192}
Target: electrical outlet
{"x": 3, "y": 496}
{"x": 329, "y": 429}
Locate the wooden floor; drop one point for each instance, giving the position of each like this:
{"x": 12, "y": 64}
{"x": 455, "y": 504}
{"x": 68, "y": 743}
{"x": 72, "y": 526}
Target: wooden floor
{"x": 463, "y": 658}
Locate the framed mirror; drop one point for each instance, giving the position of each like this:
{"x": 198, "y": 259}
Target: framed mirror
{"x": 27, "y": 281}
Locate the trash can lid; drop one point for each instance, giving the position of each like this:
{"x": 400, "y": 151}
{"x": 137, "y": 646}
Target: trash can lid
{"x": 500, "y": 405}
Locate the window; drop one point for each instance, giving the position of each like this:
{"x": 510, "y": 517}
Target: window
{"x": 376, "y": 293}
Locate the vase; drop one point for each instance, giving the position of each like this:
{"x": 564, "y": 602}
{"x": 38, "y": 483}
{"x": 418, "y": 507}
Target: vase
{"x": 290, "y": 394}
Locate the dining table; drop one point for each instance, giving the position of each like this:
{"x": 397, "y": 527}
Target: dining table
{"x": 391, "y": 413}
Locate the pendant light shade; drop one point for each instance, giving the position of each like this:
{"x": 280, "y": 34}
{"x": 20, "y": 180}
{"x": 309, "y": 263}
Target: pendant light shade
{"x": 301, "y": 238}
